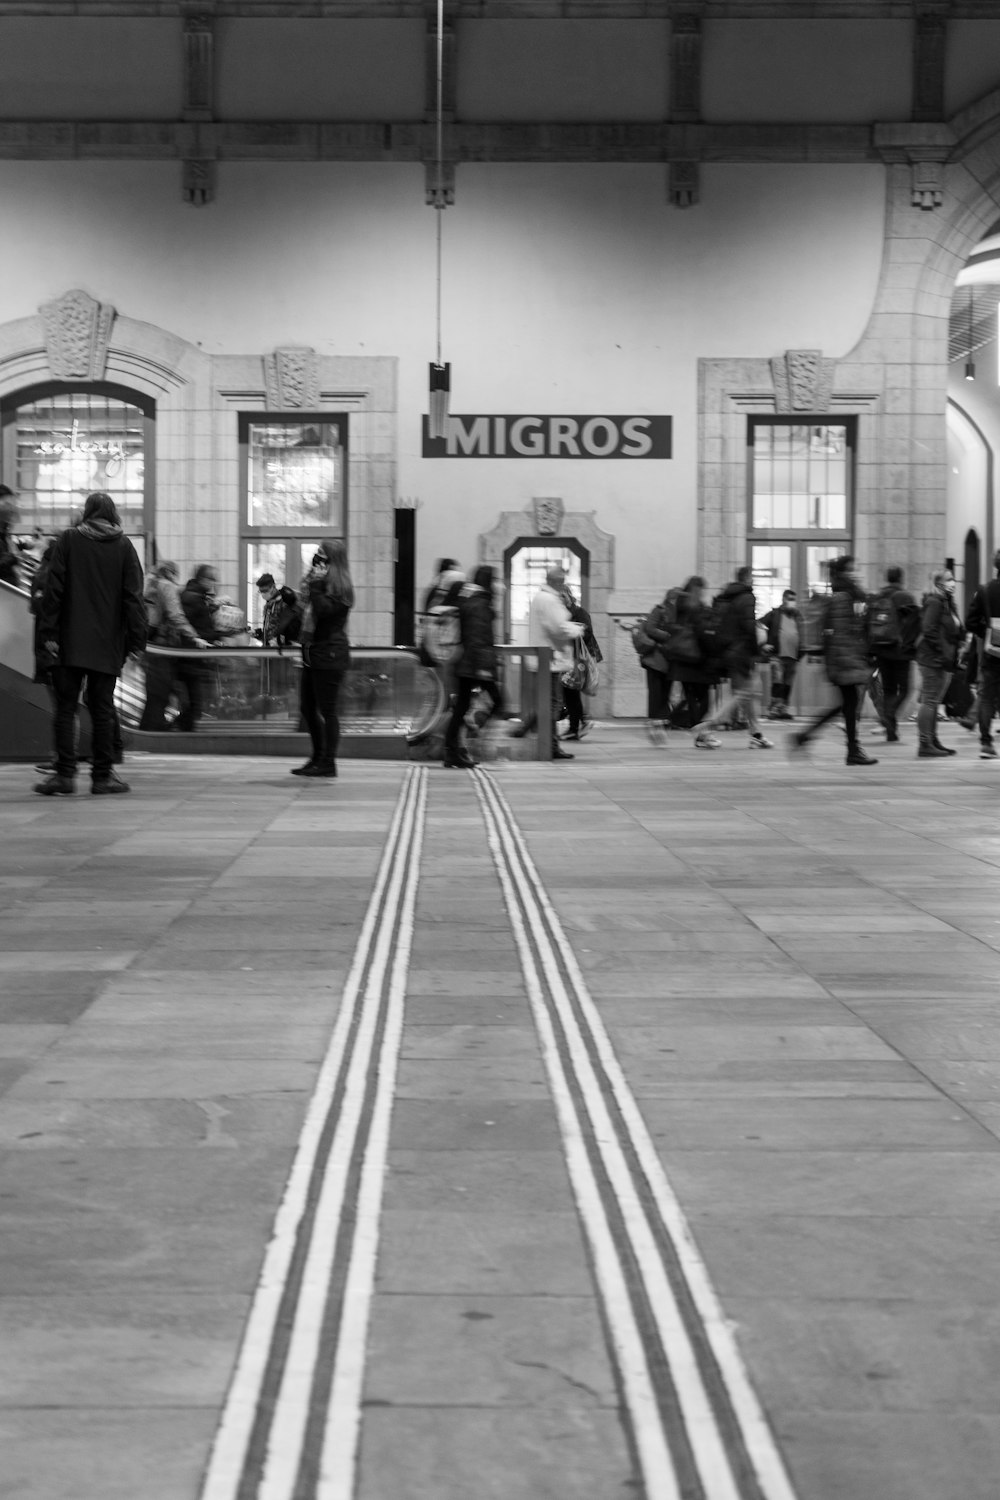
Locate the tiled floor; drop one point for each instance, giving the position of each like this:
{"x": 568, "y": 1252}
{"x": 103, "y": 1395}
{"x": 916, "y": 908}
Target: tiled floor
{"x": 798, "y": 966}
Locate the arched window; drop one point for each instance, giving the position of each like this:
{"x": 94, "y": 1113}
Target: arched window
{"x": 60, "y": 442}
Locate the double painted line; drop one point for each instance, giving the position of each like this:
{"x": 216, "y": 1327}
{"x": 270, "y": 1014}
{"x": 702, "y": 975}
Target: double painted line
{"x": 291, "y": 1422}
{"x": 697, "y": 1429}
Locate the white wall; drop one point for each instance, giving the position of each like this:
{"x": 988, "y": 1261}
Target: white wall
{"x": 566, "y": 289}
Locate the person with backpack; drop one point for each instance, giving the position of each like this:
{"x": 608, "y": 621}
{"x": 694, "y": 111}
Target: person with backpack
{"x": 845, "y": 648}
{"x": 649, "y": 639}
{"x": 983, "y": 621}
{"x": 893, "y": 625}
{"x": 734, "y": 629}
{"x": 937, "y": 655}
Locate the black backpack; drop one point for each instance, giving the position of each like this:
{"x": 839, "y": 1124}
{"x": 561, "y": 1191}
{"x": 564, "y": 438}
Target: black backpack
{"x": 884, "y": 630}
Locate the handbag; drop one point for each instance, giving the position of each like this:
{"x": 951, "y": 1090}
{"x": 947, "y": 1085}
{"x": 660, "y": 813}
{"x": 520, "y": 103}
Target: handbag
{"x": 584, "y": 675}
{"x": 442, "y": 636}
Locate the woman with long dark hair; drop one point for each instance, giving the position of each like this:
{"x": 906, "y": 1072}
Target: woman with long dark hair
{"x": 327, "y": 598}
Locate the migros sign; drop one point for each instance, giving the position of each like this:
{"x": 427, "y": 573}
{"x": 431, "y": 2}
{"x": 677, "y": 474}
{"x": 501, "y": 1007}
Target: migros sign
{"x": 551, "y": 437}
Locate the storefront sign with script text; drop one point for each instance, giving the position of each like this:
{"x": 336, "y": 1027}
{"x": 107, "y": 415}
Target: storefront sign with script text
{"x": 550, "y": 437}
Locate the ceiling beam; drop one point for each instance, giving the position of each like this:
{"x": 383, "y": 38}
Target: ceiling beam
{"x": 260, "y": 140}
{"x": 514, "y": 10}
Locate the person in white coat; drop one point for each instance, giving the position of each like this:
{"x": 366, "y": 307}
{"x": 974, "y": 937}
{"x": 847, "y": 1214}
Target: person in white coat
{"x": 549, "y": 624}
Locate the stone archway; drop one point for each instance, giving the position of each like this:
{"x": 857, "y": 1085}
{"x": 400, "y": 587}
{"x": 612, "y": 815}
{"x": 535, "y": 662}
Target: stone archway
{"x": 532, "y": 523}
{"x": 942, "y": 196}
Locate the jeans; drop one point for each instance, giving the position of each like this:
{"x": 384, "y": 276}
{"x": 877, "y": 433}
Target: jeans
{"x": 192, "y": 675}
{"x": 989, "y": 697}
{"x": 740, "y": 695}
{"x": 66, "y": 684}
{"x": 318, "y": 701}
{"x": 658, "y": 686}
{"x": 933, "y": 686}
{"x": 696, "y": 699}
{"x": 783, "y": 670}
{"x": 895, "y": 677}
{"x": 463, "y": 697}
{"x": 159, "y": 683}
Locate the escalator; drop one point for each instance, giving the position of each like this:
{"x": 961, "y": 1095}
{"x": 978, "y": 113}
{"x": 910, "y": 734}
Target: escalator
{"x": 25, "y": 711}
{"x": 390, "y": 702}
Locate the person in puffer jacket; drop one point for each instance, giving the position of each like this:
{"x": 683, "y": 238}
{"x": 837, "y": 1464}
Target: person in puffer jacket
{"x": 845, "y": 649}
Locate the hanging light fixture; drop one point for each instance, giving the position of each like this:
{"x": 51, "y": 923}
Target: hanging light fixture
{"x": 970, "y": 369}
{"x": 440, "y": 373}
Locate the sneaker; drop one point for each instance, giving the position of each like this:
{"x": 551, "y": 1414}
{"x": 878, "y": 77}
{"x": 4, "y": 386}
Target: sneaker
{"x": 797, "y": 743}
{"x": 987, "y": 750}
{"x": 585, "y": 728}
{"x": 707, "y": 741}
{"x": 946, "y": 748}
{"x": 658, "y": 737}
{"x": 858, "y": 757}
{"x": 932, "y": 752}
{"x": 108, "y": 786}
{"x": 56, "y": 786}
{"x": 758, "y": 742}
{"x": 571, "y": 734}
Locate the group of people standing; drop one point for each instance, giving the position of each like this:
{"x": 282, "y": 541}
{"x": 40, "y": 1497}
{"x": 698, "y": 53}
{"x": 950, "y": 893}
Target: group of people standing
{"x": 866, "y": 643}
{"x": 92, "y": 610}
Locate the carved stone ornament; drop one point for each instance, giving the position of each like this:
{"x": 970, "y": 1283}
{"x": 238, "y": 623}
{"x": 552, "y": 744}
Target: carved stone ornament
{"x": 199, "y": 181}
{"x": 549, "y": 512}
{"x": 927, "y": 185}
{"x": 77, "y": 334}
{"x": 291, "y": 378}
{"x": 803, "y": 381}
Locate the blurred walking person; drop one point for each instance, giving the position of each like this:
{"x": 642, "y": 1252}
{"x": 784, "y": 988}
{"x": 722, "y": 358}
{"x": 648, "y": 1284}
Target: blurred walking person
{"x": 845, "y": 649}
{"x": 983, "y": 611}
{"x": 477, "y": 663}
{"x": 91, "y": 618}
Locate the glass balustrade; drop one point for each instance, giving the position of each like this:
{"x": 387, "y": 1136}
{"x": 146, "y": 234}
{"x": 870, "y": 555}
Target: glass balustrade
{"x": 387, "y": 690}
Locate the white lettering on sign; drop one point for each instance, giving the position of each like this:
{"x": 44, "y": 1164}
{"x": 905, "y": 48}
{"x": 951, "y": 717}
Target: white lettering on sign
{"x": 562, "y": 435}
{"x": 600, "y": 437}
{"x": 636, "y": 430}
{"x": 532, "y": 448}
{"x": 590, "y": 431}
{"x": 475, "y": 440}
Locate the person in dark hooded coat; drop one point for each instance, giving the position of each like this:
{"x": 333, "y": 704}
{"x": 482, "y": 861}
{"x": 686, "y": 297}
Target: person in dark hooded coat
{"x": 91, "y": 617}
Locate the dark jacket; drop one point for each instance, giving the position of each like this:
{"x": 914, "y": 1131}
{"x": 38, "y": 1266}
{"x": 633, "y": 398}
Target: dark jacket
{"x": 92, "y": 604}
{"x": 736, "y": 606}
{"x": 282, "y": 619}
{"x": 772, "y": 624}
{"x": 698, "y": 618}
{"x": 196, "y": 602}
{"x": 845, "y": 645}
{"x": 478, "y": 657}
{"x": 908, "y": 615}
{"x": 940, "y": 634}
{"x": 328, "y": 650}
{"x": 985, "y": 606}
{"x": 580, "y": 616}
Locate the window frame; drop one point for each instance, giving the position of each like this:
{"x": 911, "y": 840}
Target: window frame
{"x": 817, "y": 534}
{"x": 248, "y": 419}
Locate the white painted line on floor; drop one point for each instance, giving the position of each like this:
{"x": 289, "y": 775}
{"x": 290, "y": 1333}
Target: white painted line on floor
{"x": 229, "y": 1452}
{"x": 760, "y": 1444}
{"x": 338, "y": 1462}
{"x": 659, "y": 1473}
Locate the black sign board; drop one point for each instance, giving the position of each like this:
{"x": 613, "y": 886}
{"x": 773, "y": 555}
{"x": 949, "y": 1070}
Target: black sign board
{"x": 487, "y": 436}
